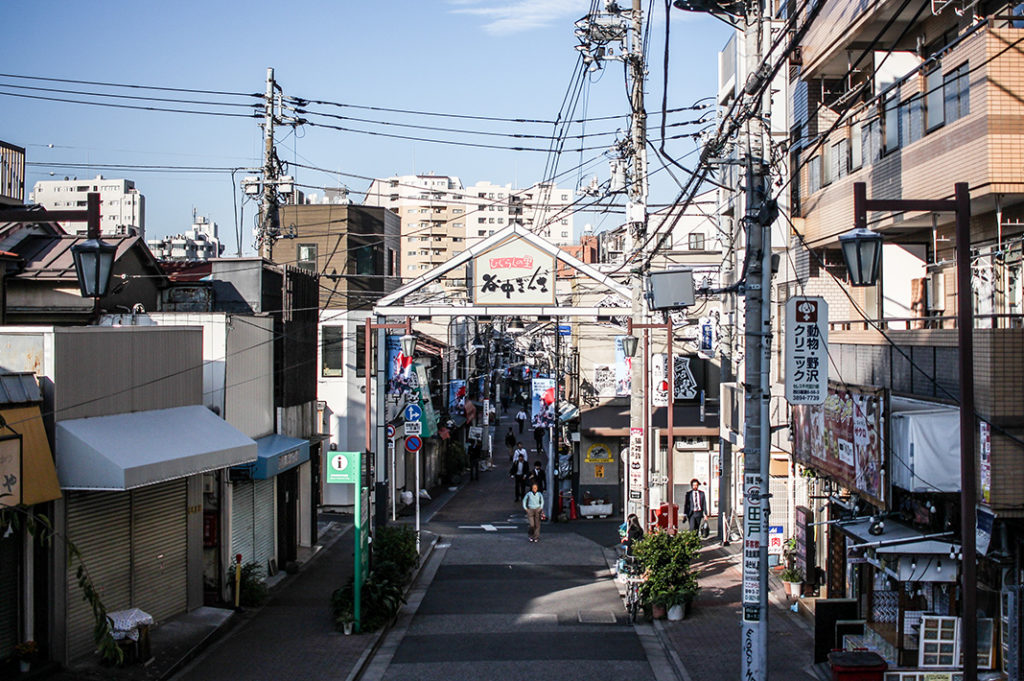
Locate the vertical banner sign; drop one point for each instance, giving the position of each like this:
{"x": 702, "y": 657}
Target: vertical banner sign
{"x": 806, "y": 350}
{"x": 399, "y": 367}
{"x": 487, "y": 413}
{"x": 347, "y": 468}
{"x": 623, "y": 369}
{"x": 986, "y": 461}
{"x": 10, "y": 470}
{"x": 457, "y": 397}
{"x": 604, "y": 380}
{"x": 752, "y": 538}
{"x": 659, "y": 379}
{"x": 429, "y": 418}
{"x": 706, "y": 346}
{"x": 543, "y": 403}
{"x": 636, "y": 468}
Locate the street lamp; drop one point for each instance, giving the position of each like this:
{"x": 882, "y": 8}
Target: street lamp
{"x": 629, "y": 344}
{"x": 960, "y": 206}
{"x": 408, "y": 345}
{"x": 94, "y": 263}
{"x": 862, "y": 251}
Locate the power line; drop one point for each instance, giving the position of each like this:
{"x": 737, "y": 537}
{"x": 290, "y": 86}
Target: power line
{"x": 133, "y": 86}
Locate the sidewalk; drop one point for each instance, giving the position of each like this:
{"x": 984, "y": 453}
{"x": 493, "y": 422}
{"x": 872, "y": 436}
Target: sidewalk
{"x": 707, "y": 642}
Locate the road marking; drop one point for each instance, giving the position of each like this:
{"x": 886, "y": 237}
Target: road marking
{"x": 487, "y": 527}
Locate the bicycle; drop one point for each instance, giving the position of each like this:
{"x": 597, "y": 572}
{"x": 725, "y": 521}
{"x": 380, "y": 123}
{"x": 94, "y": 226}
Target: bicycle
{"x": 633, "y": 582}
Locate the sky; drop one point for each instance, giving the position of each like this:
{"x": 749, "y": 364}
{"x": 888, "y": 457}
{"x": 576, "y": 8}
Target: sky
{"x": 510, "y": 59}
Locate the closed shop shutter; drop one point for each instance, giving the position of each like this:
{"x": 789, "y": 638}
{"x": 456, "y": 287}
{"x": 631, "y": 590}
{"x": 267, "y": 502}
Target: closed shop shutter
{"x": 241, "y": 520}
{"x": 265, "y": 522}
{"x": 99, "y": 525}
{"x": 160, "y": 549}
{"x": 9, "y": 593}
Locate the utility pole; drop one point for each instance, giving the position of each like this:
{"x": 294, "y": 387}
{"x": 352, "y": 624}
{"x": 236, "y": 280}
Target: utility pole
{"x": 636, "y": 215}
{"x": 269, "y": 223}
{"x": 757, "y": 367}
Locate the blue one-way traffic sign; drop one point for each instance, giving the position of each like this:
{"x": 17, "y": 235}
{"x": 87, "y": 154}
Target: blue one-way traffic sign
{"x": 413, "y": 412}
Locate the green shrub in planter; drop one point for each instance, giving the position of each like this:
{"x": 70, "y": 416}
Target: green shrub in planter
{"x": 396, "y": 544}
{"x": 791, "y": 574}
{"x": 253, "y": 591}
{"x": 666, "y": 561}
{"x": 381, "y": 598}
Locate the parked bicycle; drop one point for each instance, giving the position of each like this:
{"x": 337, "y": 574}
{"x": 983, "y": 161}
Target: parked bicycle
{"x": 633, "y": 581}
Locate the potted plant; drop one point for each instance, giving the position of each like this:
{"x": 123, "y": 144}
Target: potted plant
{"x": 793, "y": 579}
{"x": 676, "y": 600}
{"x": 347, "y": 621}
{"x": 26, "y": 652}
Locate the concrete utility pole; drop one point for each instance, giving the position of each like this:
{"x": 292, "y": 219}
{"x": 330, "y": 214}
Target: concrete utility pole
{"x": 757, "y": 367}
{"x": 269, "y": 224}
{"x": 636, "y": 215}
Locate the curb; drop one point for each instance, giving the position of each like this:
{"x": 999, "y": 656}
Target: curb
{"x": 371, "y": 650}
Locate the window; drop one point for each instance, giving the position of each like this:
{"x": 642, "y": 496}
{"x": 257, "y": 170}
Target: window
{"x": 392, "y": 262}
{"x": 933, "y": 99}
{"x": 410, "y": 252}
{"x": 956, "y": 93}
{"x": 481, "y": 221}
{"x": 490, "y": 220}
{"x": 695, "y": 241}
{"x": 393, "y": 197}
{"x": 332, "y": 355}
{"x": 827, "y": 166}
{"x": 565, "y": 235}
{"x": 306, "y": 257}
{"x": 481, "y": 232}
{"x": 394, "y": 183}
{"x": 501, "y": 220}
{"x": 564, "y": 221}
{"x": 938, "y": 642}
{"x": 814, "y": 175}
{"x": 892, "y": 123}
{"x": 856, "y": 150}
{"x": 456, "y": 211}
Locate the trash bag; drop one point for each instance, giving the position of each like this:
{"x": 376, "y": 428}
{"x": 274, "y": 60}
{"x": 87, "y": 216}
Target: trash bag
{"x": 705, "y": 531}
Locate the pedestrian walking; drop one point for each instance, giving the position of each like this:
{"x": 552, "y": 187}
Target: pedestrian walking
{"x": 474, "y": 459}
{"x": 538, "y": 437}
{"x": 504, "y": 403}
{"x": 695, "y": 507}
{"x": 538, "y": 477}
{"x": 520, "y": 451}
{"x": 519, "y": 471}
{"x": 631, "y": 532}
{"x": 521, "y": 420}
{"x": 533, "y": 504}
{"x": 510, "y": 442}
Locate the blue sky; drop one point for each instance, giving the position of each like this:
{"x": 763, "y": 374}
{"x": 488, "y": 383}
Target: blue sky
{"x": 481, "y": 57}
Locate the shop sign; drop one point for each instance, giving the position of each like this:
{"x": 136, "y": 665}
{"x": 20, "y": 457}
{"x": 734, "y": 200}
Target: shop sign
{"x": 806, "y": 350}
{"x": 844, "y": 438}
{"x": 343, "y": 467}
{"x": 10, "y": 470}
{"x": 515, "y": 272}
{"x": 598, "y": 453}
{"x": 623, "y": 369}
{"x": 636, "y": 463}
{"x": 775, "y": 539}
{"x": 986, "y": 461}
{"x": 599, "y": 471}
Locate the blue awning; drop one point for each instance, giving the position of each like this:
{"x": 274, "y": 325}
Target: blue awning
{"x": 277, "y": 453}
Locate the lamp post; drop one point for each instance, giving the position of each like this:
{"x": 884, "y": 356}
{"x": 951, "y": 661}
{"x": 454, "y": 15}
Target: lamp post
{"x": 861, "y": 250}
{"x": 408, "y": 340}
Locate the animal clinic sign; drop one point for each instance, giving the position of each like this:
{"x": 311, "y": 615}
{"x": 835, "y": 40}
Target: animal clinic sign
{"x": 806, "y": 350}
{"x": 515, "y": 272}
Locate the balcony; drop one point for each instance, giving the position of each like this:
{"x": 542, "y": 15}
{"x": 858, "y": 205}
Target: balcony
{"x": 12, "y": 174}
{"x": 959, "y": 118}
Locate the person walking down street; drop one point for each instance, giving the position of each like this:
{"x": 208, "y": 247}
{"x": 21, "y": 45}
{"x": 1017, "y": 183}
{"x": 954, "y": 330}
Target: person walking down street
{"x": 520, "y": 451}
{"x": 521, "y": 420}
{"x": 538, "y": 478}
{"x": 519, "y": 472}
{"x": 474, "y": 459}
{"x": 510, "y": 442}
{"x": 633, "y": 533}
{"x": 504, "y": 403}
{"x": 533, "y": 503}
{"x": 538, "y": 437}
{"x": 695, "y": 507}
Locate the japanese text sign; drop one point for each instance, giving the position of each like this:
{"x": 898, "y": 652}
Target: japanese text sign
{"x": 515, "y": 272}
{"x": 806, "y": 350}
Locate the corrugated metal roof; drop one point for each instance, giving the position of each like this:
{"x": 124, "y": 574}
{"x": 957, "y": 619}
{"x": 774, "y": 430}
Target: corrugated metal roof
{"x": 19, "y": 388}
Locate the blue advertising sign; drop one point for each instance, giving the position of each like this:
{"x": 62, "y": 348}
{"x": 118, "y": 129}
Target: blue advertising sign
{"x": 399, "y": 367}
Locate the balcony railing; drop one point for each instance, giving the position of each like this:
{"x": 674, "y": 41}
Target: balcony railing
{"x": 981, "y": 321}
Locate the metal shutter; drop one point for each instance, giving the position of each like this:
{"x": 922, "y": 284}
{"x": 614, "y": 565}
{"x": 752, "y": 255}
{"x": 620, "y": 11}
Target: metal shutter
{"x": 9, "y": 592}
{"x": 241, "y": 520}
{"x": 160, "y": 549}
{"x": 99, "y": 525}
{"x": 265, "y": 527}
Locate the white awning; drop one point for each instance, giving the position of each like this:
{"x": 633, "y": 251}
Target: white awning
{"x": 125, "y": 451}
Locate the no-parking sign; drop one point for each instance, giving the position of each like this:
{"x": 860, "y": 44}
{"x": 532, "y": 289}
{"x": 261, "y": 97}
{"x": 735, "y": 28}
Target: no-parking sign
{"x": 413, "y": 443}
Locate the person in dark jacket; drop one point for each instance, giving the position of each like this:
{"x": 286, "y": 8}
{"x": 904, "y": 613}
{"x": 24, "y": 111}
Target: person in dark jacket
{"x": 510, "y": 442}
{"x": 474, "y": 459}
{"x": 520, "y": 471}
{"x": 633, "y": 533}
{"x": 695, "y": 507}
{"x": 538, "y": 477}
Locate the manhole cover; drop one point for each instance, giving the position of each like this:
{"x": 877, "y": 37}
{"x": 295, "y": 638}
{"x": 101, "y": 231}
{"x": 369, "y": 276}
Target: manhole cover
{"x": 596, "y": 617}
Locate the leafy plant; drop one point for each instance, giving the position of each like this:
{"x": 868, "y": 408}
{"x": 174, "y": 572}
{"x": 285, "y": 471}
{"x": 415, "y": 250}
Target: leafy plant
{"x": 396, "y": 544}
{"x": 792, "y": 574}
{"x": 455, "y": 459}
{"x": 666, "y": 561}
{"x": 40, "y": 527}
{"x": 382, "y": 596}
{"x": 253, "y": 591}
{"x": 26, "y": 650}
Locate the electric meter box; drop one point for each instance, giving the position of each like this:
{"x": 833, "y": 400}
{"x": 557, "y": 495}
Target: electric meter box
{"x": 670, "y": 289}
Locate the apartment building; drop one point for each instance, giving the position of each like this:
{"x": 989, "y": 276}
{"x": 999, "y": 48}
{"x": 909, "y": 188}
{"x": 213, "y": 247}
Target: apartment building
{"x": 122, "y": 207}
{"x": 201, "y": 242}
{"x": 938, "y": 100}
{"x": 543, "y": 208}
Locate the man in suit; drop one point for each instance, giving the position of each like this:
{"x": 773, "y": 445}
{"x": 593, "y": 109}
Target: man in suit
{"x": 695, "y": 507}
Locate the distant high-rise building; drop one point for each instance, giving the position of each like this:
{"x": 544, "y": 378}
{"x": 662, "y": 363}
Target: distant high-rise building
{"x": 122, "y": 207}
{"x": 199, "y": 243}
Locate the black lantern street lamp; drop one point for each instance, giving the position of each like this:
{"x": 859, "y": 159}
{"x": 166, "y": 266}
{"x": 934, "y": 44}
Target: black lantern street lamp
{"x": 862, "y": 252}
{"x": 94, "y": 262}
{"x": 94, "y": 258}
{"x": 629, "y": 344}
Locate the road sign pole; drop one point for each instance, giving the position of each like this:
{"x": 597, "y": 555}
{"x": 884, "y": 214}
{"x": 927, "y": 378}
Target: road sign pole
{"x": 417, "y": 502}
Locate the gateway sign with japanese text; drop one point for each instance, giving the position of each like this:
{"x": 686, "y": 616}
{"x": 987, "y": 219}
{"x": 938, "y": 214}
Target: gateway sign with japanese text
{"x": 515, "y": 272}
{"x": 806, "y": 350}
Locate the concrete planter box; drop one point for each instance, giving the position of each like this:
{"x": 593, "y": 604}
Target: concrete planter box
{"x": 595, "y": 510}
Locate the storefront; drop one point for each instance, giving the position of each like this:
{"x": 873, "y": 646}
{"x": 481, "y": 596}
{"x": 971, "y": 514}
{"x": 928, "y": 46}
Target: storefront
{"x": 133, "y": 509}
{"x": 267, "y": 503}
